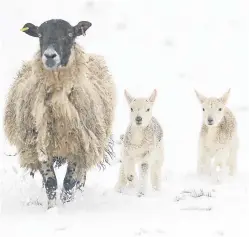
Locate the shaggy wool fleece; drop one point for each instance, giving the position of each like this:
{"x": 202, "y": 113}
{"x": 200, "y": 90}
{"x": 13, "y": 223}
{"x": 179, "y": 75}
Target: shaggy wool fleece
{"x": 66, "y": 113}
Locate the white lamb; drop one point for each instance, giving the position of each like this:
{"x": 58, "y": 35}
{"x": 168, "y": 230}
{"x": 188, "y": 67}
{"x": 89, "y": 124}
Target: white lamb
{"x": 218, "y": 142}
{"x": 141, "y": 145}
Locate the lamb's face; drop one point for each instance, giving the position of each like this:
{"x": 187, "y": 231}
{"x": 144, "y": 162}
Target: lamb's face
{"x": 213, "y": 108}
{"x": 140, "y": 112}
{"x": 56, "y": 40}
{"x": 213, "y": 111}
{"x": 140, "y": 109}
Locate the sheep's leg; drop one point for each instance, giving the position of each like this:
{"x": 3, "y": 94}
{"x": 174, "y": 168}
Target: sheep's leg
{"x": 50, "y": 181}
{"x": 69, "y": 183}
{"x": 122, "y": 180}
{"x": 81, "y": 179}
{"x": 143, "y": 179}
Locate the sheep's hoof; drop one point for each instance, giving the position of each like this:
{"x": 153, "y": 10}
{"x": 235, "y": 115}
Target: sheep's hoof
{"x": 51, "y": 203}
{"x": 66, "y": 196}
{"x": 80, "y": 186}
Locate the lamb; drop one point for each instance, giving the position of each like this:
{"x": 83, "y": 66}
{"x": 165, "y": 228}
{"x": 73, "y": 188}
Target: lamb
{"x": 218, "y": 141}
{"x": 141, "y": 145}
{"x": 60, "y": 108}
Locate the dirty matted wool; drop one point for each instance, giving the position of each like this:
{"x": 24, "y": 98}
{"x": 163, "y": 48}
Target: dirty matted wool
{"x": 66, "y": 113}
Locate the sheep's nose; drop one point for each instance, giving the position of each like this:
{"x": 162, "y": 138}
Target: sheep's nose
{"x": 139, "y": 119}
{"x": 50, "y": 55}
{"x": 210, "y": 121}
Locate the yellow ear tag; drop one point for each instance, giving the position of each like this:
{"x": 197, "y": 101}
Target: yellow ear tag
{"x": 24, "y": 28}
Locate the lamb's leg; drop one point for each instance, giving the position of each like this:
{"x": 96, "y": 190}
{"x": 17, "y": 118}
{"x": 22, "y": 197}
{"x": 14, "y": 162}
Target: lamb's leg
{"x": 122, "y": 180}
{"x": 49, "y": 180}
{"x": 143, "y": 179}
{"x": 130, "y": 170}
{"x": 156, "y": 167}
{"x": 232, "y": 161}
{"x": 219, "y": 166}
{"x": 69, "y": 183}
{"x": 203, "y": 164}
{"x": 156, "y": 170}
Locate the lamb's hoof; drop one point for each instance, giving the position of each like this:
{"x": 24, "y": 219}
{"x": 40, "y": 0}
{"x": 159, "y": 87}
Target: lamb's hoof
{"x": 67, "y": 196}
{"x": 130, "y": 177}
{"x": 157, "y": 188}
{"x": 140, "y": 194}
{"x": 215, "y": 179}
{"x": 119, "y": 188}
{"x": 232, "y": 173}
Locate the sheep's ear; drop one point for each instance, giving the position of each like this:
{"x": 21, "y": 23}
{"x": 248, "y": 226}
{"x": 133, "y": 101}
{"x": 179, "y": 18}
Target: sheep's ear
{"x": 153, "y": 96}
{"x": 225, "y": 97}
{"x": 200, "y": 97}
{"x": 81, "y": 28}
{"x": 30, "y": 29}
{"x": 128, "y": 97}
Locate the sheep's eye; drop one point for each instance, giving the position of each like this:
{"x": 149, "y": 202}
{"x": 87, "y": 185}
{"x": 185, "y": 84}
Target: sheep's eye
{"x": 70, "y": 34}
{"x": 203, "y": 109}
{"x": 220, "y": 109}
{"x": 39, "y": 35}
{"x": 147, "y": 110}
{"x": 131, "y": 109}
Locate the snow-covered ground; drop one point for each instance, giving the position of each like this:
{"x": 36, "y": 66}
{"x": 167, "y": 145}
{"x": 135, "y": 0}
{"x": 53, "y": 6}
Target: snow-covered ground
{"x": 174, "y": 46}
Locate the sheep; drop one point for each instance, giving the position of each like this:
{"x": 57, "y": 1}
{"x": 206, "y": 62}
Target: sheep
{"x": 141, "y": 145}
{"x": 218, "y": 138}
{"x": 60, "y": 108}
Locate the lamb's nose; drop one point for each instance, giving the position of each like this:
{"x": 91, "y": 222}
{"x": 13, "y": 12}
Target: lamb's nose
{"x": 139, "y": 119}
{"x": 210, "y": 120}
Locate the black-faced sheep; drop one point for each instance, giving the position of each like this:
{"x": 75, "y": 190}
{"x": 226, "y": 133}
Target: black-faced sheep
{"x": 61, "y": 107}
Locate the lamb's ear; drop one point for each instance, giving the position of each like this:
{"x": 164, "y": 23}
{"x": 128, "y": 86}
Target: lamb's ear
{"x": 200, "y": 97}
{"x": 30, "y": 29}
{"x": 225, "y": 96}
{"x": 153, "y": 96}
{"x": 128, "y": 97}
{"x": 81, "y": 28}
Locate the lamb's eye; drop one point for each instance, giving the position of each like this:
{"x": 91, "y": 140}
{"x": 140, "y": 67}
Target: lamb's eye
{"x": 203, "y": 109}
{"x": 220, "y": 109}
{"x": 39, "y": 35}
{"x": 131, "y": 109}
{"x": 70, "y": 34}
{"x": 147, "y": 110}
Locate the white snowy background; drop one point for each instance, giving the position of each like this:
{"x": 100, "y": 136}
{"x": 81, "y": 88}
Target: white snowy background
{"x": 174, "y": 46}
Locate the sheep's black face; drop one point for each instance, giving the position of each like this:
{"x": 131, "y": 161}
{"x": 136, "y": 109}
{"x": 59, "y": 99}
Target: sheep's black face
{"x": 56, "y": 40}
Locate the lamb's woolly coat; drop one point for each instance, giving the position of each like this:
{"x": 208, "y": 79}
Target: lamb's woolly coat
{"x": 68, "y": 113}
{"x": 220, "y": 142}
{"x": 222, "y": 135}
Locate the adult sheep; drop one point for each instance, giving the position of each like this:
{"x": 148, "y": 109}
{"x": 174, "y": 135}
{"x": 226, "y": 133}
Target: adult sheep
{"x": 61, "y": 106}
